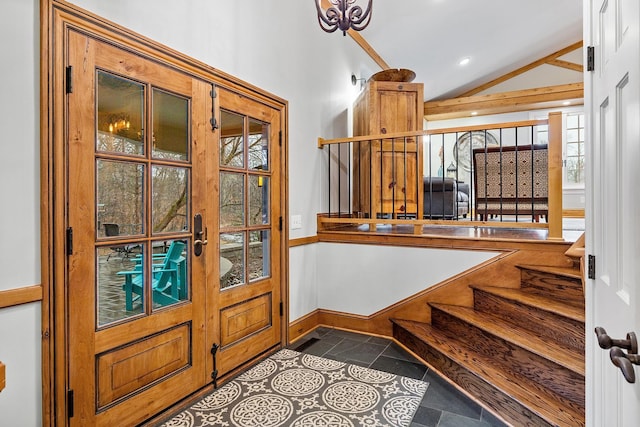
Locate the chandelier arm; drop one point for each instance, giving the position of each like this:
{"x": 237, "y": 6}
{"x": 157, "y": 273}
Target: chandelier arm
{"x": 343, "y": 15}
{"x": 329, "y": 23}
{"x": 356, "y": 16}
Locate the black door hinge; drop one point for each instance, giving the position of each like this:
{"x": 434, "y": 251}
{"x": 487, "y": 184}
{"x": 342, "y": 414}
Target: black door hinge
{"x": 213, "y": 94}
{"x": 70, "y": 403}
{"x": 68, "y": 81}
{"x": 591, "y": 58}
{"x": 281, "y": 309}
{"x": 280, "y": 138}
{"x": 591, "y": 267}
{"x": 280, "y": 224}
{"x": 69, "y": 241}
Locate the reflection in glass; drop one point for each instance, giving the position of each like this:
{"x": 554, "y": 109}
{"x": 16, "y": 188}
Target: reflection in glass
{"x": 169, "y": 199}
{"x": 119, "y": 198}
{"x": 231, "y": 139}
{"x": 170, "y": 126}
{"x": 258, "y": 199}
{"x": 232, "y": 250}
{"x": 231, "y": 200}
{"x": 258, "y": 255}
{"x": 258, "y": 145}
{"x": 112, "y": 273}
{"x": 120, "y": 104}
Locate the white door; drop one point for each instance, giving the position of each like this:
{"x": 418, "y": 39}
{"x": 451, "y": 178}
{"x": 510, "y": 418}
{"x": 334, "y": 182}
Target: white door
{"x": 612, "y": 97}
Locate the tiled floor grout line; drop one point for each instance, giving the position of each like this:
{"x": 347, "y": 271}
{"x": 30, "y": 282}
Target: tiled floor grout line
{"x": 444, "y": 406}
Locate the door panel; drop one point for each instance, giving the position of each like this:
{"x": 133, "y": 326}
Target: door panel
{"x": 613, "y": 298}
{"x": 247, "y": 293}
{"x": 136, "y": 292}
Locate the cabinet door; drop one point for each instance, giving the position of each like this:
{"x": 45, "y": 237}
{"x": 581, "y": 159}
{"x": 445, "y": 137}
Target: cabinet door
{"x": 397, "y": 187}
{"x": 398, "y": 111}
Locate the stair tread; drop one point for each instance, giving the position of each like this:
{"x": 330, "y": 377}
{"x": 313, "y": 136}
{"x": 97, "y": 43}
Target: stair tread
{"x": 538, "y": 301}
{"x": 570, "y": 272}
{"x": 544, "y": 403}
{"x": 521, "y": 337}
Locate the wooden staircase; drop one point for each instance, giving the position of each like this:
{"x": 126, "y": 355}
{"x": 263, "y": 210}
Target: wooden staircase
{"x": 519, "y": 351}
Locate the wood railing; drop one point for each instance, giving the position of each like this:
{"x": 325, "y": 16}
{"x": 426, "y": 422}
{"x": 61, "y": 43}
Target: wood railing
{"x": 427, "y": 177}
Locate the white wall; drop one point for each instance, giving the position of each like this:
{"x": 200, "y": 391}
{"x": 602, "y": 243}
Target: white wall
{"x": 20, "y": 401}
{"x": 363, "y": 279}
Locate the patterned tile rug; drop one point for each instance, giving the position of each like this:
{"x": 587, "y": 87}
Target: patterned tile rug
{"x": 296, "y": 389}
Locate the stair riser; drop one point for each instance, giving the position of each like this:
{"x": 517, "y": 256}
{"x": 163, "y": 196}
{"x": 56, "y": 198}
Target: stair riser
{"x": 548, "y": 374}
{"x": 568, "y": 289}
{"x": 566, "y": 332}
{"x": 509, "y": 409}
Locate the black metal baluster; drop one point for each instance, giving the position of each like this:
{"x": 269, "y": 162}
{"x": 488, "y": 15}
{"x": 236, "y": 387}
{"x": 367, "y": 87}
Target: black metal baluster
{"x": 501, "y": 179}
{"x": 517, "y": 161}
{"x": 404, "y": 182}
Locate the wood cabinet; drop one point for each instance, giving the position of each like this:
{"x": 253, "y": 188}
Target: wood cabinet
{"x": 387, "y": 174}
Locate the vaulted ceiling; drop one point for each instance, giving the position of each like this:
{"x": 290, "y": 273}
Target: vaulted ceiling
{"x": 499, "y": 37}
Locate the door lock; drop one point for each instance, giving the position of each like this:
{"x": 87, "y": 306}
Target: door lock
{"x": 199, "y": 234}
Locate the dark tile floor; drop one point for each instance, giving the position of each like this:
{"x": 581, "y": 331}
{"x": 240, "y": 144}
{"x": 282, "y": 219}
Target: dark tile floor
{"x": 442, "y": 405}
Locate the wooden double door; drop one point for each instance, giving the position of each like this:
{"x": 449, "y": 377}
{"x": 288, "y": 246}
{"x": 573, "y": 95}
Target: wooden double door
{"x": 173, "y": 246}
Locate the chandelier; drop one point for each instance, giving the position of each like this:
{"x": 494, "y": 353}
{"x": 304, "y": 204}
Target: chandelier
{"x": 119, "y": 122}
{"x": 343, "y": 15}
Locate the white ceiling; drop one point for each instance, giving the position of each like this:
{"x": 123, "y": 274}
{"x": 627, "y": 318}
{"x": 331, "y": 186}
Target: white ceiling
{"x": 431, "y": 36}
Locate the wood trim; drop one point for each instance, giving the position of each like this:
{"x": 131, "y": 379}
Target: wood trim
{"x": 573, "y": 213}
{"x": 46, "y": 216}
{"x": 24, "y": 295}
{"x": 303, "y": 241}
{"x": 524, "y": 69}
{"x": 577, "y": 249}
{"x": 555, "y": 176}
{"x": 412, "y": 133}
{"x": 357, "y": 37}
{"x": 520, "y": 100}
{"x": 3, "y": 376}
{"x": 566, "y": 64}
{"x": 303, "y": 325}
{"x": 368, "y": 49}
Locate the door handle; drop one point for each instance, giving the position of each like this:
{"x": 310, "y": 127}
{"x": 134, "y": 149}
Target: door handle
{"x": 625, "y": 362}
{"x": 619, "y": 358}
{"x": 605, "y": 341}
{"x": 200, "y": 235}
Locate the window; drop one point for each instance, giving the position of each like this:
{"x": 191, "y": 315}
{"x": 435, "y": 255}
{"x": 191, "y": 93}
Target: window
{"x": 573, "y": 147}
{"x": 574, "y": 150}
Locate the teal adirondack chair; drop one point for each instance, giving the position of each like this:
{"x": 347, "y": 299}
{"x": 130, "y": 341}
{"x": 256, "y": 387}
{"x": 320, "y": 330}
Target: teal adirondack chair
{"x": 168, "y": 281}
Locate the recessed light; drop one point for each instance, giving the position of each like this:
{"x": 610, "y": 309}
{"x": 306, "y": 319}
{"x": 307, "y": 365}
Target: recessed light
{"x": 464, "y": 61}
{"x": 566, "y": 103}
{"x": 474, "y": 113}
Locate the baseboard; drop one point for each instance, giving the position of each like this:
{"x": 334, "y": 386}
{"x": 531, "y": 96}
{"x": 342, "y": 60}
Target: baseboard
{"x": 303, "y": 325}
